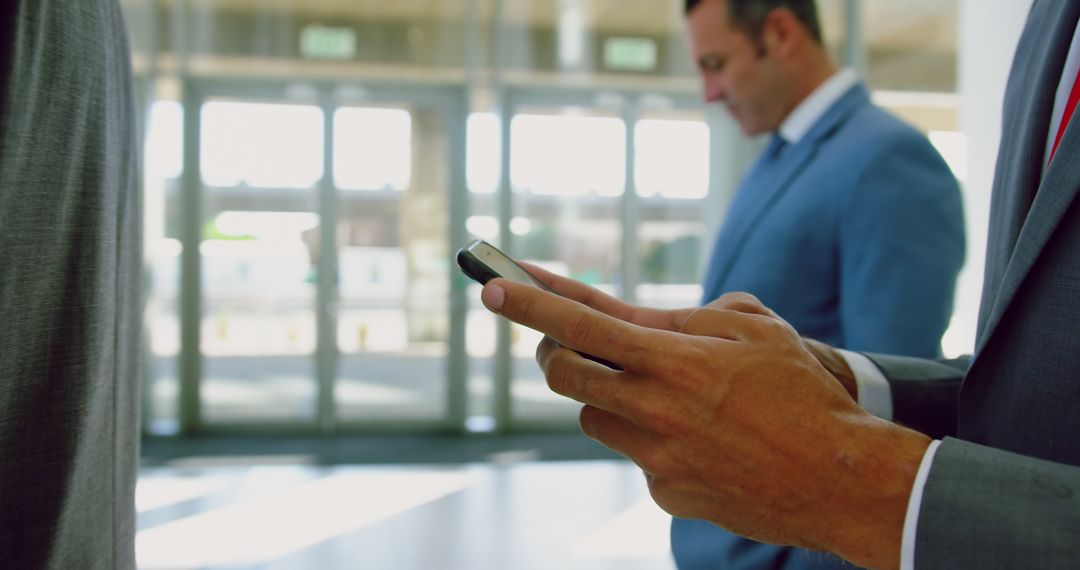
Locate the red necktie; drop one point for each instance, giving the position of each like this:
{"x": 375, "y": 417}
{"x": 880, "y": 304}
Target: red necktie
{"x": 1074, "y": 97}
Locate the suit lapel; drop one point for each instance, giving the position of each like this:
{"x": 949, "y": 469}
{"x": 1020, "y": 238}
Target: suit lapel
{"x": 1055, "y": 195}
{"x": 1025, "y": 211}
{"x": 769, "y": 185}
{"x": 766, "y": 186}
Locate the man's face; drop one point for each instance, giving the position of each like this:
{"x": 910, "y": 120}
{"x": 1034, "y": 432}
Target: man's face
{"x": 735, "y": 70}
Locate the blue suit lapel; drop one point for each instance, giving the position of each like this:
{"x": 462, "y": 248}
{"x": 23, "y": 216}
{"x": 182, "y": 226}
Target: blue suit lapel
{"x": 1025, "y": 210}
{"x": 756, "y": 191}
{"x": 766, "y": 183}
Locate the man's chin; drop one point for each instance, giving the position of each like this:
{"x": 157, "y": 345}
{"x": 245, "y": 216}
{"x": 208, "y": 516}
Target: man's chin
{"x": 751, "y": 130}
{"x": 748, "y": 127}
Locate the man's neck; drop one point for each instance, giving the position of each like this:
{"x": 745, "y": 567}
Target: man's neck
{"x": 815, "y": 105}
{"x": 815, "y": 72}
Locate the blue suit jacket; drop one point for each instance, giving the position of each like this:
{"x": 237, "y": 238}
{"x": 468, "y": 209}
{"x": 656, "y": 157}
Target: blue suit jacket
{"x": 855, "y": 236}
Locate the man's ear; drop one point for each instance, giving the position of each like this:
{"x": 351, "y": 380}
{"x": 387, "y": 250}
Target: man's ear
{"x": 780, "y": 33}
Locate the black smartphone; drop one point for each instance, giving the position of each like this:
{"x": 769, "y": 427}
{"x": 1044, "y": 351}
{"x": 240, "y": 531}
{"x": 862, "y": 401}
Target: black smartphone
{"x": 483, "y": 262}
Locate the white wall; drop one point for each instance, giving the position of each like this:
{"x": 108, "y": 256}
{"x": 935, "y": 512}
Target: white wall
{"x": 988, "y": 33}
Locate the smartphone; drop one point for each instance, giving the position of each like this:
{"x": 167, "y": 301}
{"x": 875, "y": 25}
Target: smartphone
{"x": 483, "y": 262}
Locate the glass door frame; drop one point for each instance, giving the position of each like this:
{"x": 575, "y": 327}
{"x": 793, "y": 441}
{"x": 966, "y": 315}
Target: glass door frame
{"x": 448, "y": 99}
{"x": 630, "y": 105}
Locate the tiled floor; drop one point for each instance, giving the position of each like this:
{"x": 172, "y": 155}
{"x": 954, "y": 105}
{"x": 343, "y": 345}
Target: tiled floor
{"x": 568, "y": 515}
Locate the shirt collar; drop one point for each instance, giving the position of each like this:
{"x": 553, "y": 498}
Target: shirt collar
{"x": 813, "y": 107}
{"x": 1061, "y": 98}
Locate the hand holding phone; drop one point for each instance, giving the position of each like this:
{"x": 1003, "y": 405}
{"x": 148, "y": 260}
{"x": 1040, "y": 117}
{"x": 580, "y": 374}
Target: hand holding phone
{"x": 483, "y": 262}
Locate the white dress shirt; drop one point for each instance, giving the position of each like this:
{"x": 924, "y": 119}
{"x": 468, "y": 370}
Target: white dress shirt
{"x": 874, "y": 392}
{"x": 813, "y": 107}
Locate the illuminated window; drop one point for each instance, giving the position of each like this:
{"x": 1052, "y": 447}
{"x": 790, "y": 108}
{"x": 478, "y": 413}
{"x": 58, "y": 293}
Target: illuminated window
{"x": 568, "y": 155}
{"x": 165, "y": 140}
{"x": 372, "y": 149}
{"x": 483, "y": 152}
{"x": 261, "y": 145}
{"x": 672, "y": 158}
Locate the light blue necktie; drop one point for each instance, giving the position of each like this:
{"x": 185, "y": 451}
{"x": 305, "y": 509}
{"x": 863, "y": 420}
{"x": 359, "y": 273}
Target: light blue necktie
{"x": 774, "y": 148}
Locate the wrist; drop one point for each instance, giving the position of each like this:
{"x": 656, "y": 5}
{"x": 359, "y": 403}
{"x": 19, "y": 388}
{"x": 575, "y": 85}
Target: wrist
{"x": 869, "y": 530}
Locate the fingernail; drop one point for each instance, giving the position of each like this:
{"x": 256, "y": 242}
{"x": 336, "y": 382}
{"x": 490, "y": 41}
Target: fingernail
{"x": 493, "y": 297}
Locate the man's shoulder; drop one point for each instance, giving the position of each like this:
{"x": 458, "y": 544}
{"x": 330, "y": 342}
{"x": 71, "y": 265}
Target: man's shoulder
{"x": 872, "y": 142}
{"x": 871, "y": 120}
{"x": 872, "y": 133}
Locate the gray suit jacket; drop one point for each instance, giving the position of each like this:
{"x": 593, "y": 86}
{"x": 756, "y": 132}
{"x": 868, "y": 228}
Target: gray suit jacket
{"x": 1004, "y": 490}
{"x": 69, "y": 286}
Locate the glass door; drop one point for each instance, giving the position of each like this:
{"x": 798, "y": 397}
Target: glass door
{"x": 394, "y": 171}
{"x": 671, "y": 182}
{"x": 261, "y": 164}
{"x": 324, "y": 222}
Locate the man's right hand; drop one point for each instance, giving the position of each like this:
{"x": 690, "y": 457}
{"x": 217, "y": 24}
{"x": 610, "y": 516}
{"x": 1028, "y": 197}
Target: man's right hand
{"x": 828, "y": 356}
{"x": 732, "y": 419}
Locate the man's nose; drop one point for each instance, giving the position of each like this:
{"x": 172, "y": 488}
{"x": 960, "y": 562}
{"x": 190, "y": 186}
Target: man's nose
{"x": 714, "y": 92}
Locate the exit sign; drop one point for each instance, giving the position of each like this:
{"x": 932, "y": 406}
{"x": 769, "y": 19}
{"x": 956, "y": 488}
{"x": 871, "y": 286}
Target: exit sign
{"x": 324, "y": 42}
{"x": 630, "y": 54}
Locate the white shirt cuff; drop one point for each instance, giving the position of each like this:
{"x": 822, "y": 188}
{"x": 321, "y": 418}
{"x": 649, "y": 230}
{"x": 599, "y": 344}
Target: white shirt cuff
{"x": 875, "y": 395}
{"x": 911, "y": 520}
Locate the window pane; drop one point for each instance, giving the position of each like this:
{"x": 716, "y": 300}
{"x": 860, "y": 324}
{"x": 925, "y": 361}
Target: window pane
{"x": 672, "y": 177}
{"x": 258, "y": 326}
{"x": 567, "y": 155}
{"x": 261, "y": 145}
{"x": 163, "y": 166}
{"x": 372, "y": 149}
{"x": 483, "y": 152}
{"x": 672, "y": 158}
{"x": 393, "y": 279}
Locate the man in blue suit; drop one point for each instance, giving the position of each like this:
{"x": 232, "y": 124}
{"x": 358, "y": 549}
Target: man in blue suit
{"x": 849, "y": 225}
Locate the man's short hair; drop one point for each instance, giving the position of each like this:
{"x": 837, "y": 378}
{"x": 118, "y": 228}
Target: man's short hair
{"x": 749, "y": 15}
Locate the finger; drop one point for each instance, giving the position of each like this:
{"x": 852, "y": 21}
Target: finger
{"x": 734, "y": 301}
{"x": 731, "y": 325}
{"x": 593, "y": 297}
{"x": 747, "y": 303}
{"x": 623, "y": 437}
{"x": 637, "y": 399}
{"x": 570, "y": 323}
{"x": 679, "y": 317}
{"x": 576, "y": 377}
{"x": 743, "y": 303}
